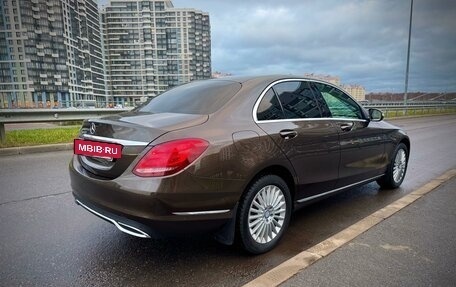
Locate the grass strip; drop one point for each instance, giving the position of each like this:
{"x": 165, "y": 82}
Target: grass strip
{"x": 395, "y": 113}
{"x": 18, "y": 138}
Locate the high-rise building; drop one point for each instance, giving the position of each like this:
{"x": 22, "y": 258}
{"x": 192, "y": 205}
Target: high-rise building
{"x": 84, "y": 50}
{"x": 151, "y": 46}
{"x": 50, "y": 53}
{"x": 356, "y": 91}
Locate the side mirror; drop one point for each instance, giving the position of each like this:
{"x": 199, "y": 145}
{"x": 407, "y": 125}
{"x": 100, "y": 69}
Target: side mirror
{"x": 375, "y": 115}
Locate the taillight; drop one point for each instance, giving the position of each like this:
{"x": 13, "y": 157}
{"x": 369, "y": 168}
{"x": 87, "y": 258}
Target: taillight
{"x": 170, "y": 157}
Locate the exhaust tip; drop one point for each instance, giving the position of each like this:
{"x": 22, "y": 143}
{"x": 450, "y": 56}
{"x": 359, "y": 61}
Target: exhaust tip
{"x": 131, "y": 230}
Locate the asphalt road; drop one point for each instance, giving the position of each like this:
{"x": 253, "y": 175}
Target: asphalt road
{"x": 46, "y": 239}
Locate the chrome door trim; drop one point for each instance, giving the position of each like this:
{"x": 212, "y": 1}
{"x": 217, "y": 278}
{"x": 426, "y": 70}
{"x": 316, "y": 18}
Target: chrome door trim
{"x": 257, "y": 103}
{"x": 337, "y": 189}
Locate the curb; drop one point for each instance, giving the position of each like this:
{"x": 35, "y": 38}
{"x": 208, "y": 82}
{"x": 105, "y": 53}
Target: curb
{"x": 35, "y": 149}
{"x": 289, "y": 268}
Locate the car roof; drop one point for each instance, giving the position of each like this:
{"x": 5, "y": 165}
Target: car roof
{"x": 271, "y": 78}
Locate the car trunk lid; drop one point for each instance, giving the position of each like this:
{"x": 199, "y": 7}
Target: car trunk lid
{"x": 134, "y": 131}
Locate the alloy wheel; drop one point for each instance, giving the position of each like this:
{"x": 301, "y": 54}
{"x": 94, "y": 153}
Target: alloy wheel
{"x": 267, "y": 214}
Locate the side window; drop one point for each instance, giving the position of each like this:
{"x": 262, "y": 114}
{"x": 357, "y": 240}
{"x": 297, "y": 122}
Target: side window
{"x": 269, "y": 108}
{"x": 297, "y": 100}
{"x": 340, "y": 105}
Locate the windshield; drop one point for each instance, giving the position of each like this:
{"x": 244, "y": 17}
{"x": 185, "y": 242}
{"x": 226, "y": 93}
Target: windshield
{"x": 201, "y": 97}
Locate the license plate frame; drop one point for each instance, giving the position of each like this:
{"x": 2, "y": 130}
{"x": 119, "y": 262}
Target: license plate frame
{"x": 97, "y": 149}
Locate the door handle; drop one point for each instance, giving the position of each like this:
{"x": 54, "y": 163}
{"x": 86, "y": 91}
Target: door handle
{"x": 346, "y": 127}
{"x": 288, "y": 134}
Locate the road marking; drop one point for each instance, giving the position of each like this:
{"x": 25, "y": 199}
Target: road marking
{"x": 297, "y": 263}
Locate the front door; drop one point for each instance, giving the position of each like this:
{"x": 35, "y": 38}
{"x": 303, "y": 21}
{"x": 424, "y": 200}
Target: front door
{"x": 362, "y": 149}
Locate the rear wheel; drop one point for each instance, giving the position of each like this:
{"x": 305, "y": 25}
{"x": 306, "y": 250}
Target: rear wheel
{"x": 396, "y": 170}
{"x": 264, "y": 214}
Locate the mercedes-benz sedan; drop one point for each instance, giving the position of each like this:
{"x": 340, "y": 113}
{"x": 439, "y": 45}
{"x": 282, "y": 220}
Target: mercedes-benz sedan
{"x": 232, "y": 156}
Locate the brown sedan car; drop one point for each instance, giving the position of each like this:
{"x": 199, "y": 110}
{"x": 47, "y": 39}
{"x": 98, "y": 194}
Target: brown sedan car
{"x": 233, "y": 156}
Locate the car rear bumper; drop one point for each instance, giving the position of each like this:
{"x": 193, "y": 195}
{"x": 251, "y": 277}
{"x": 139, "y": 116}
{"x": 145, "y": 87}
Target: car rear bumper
{"x": 142, "y": 228}
{"x": 139, "y": 209}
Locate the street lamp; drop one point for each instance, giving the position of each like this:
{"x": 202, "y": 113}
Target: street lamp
{"x": 408, "y": 55}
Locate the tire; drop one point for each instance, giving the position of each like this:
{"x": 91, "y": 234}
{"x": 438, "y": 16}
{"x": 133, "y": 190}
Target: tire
{"x": 395, "y": 172}
{"x": 264, "y": 214}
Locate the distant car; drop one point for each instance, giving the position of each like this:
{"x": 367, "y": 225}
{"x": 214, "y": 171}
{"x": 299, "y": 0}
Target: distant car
{"x": 233, "y": 156}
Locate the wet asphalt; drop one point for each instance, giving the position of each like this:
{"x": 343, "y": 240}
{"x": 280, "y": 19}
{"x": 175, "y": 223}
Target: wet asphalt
{"x": 46, "y": 240}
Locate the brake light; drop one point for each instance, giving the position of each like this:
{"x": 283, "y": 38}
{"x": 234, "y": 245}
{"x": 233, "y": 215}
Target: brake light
{"x": 170, "y": 157}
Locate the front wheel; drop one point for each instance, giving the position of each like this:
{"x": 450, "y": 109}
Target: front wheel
{"x": 396, "y": 170}
{"x": 264, "y": 214}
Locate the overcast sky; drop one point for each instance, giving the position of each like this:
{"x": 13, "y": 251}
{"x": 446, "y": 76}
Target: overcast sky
{"x": 361, "y": 41}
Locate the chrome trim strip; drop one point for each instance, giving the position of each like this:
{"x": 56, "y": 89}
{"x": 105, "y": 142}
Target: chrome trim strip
{"x": 257, "y": 103}
{"x": 312, "y": 120}
{"x": 138, "y": 233}
{"x": 117, "y": 141}
{"x": 337, "y": 189}
{"x": 202, "y": 212}
{"x": 94, "y": 164}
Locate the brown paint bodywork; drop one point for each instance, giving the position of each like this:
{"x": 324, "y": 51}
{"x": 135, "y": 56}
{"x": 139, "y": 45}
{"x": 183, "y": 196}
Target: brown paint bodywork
{"x": 320, "y": 158}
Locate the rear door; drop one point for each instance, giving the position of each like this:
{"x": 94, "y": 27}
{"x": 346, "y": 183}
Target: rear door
{"x": 289, "y": 113}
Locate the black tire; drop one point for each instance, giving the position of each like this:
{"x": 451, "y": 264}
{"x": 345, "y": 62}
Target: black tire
{"x": 390, "y": 180}
{"x": 267, "y": 219}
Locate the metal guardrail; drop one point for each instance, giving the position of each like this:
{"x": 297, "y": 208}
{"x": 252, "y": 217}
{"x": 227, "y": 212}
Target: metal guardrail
{"x": 10, "y": 116}
{"x": 410, "y": 104}
{"x": 413, "y": 110}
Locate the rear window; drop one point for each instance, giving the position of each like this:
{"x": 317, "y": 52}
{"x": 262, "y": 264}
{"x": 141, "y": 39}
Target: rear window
{"x": 201, "y": 97}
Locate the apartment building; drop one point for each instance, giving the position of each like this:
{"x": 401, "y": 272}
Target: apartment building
{"x": 50, "y": 53}
{"x": 150, "y": 46}
{"x": 356, "y": 91}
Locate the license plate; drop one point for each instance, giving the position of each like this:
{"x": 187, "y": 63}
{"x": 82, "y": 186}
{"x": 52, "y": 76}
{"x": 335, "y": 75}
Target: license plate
{"x": 97, "y": 149}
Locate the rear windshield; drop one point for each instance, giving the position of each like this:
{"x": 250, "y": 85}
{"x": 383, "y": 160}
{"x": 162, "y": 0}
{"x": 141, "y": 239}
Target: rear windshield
{"x": 201, "y": 97}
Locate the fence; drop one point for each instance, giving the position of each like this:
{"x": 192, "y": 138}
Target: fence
{"x": 50, "y": 115}
{"x": 7, "y": 116}
{"x": 80, "y": 104}
{"x": 395, "y": 109}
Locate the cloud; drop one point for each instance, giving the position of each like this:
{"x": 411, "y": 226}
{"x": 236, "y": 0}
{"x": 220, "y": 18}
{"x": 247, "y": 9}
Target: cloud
{"x": 363, "y": 42}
